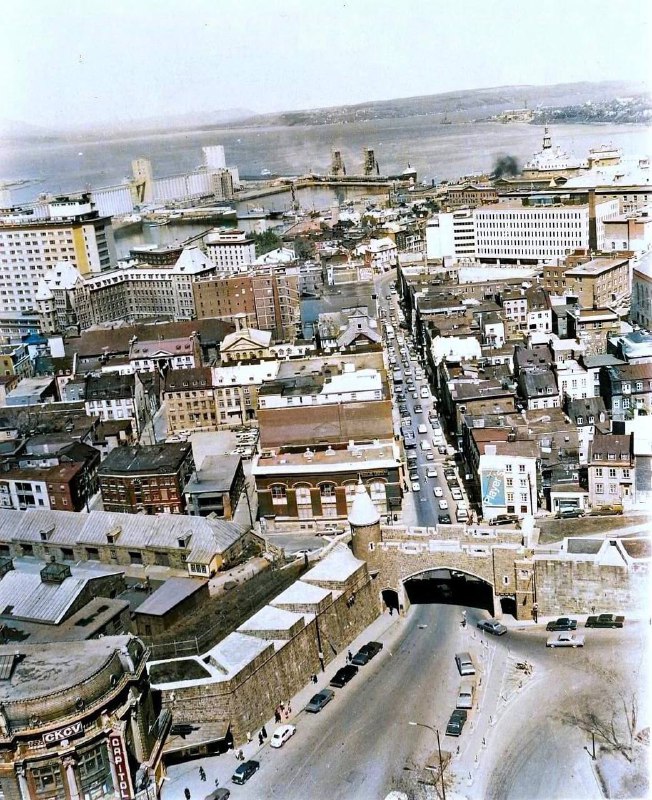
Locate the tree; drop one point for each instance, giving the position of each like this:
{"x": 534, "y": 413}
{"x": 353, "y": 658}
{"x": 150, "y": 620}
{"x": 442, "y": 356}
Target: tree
{"x": 265, "y": 242}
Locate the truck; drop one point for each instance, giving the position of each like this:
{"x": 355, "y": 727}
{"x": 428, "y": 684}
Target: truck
{"x": 605, "y": 621}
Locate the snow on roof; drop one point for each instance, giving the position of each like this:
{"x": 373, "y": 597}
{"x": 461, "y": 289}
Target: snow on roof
{"x": 363, "y": 511}
{"x": 339, "y": 565}
{"x": 301, "y": 593}
{"x": 270, "y": 618}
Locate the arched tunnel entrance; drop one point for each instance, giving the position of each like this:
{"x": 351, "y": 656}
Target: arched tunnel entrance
{"x": 390, "y": 599}
{"x": 450, "y": 587}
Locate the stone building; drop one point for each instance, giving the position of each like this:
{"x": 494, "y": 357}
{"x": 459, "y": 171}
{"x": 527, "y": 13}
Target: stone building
{"x": 197, "y": 545}
{"x": 190, "y": 401}
{"x": 235, "y": 687}
{"x": 79, "y": 721}
{"x": 611, "y": 470}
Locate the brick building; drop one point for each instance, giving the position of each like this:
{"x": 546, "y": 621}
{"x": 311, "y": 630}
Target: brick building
{"x": 146, "y": 479}
{"x": 611, "y": 470}
{"x": 190, "y": 400}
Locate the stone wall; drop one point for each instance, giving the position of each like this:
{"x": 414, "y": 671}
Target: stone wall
{"x": 578, "y": 586}
{"x": 248, "y": 700}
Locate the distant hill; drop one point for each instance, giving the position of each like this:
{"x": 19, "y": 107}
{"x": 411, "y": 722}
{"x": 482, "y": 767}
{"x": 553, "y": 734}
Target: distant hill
{"x": 461, "y": 106}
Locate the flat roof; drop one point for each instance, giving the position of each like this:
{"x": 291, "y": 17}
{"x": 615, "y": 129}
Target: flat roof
{"x": 338, "y": 566}
{"x": 301, "y": 593}
{"x": 270, "y": 618}
{"x": 326, "y": 460}
{"x": 169, "y": 595}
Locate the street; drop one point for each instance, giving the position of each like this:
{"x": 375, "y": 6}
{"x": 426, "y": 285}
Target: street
{"x": 517, "y": 743}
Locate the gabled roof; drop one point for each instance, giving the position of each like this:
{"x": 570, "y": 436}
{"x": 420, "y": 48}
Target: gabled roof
{"x": 246, "y": 337}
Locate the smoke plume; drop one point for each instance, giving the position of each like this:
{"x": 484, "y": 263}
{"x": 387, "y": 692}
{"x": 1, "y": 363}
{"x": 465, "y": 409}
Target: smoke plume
{"x": 505, "y": 166}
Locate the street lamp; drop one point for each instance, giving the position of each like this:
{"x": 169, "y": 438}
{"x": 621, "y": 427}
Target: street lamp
{"x": 441, "y": 766}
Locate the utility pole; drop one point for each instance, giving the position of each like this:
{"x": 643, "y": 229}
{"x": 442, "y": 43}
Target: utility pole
{"x": 441, "y": 765}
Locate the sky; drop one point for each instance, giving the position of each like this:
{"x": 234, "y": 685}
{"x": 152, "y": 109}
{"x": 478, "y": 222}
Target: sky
{"x": 67, "y": 62}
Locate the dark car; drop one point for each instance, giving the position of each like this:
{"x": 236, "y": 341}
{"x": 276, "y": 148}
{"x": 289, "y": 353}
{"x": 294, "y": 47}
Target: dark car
{"x": 344, "y": 675}
{"x": 605, "y": 621}
{"x": 360, "y": 658}
{"x": 245, "y": 771}
{"x": 570, "y": 513}
{"x": 372, "y": 648}
{"x": 504, "y": 519}
{"x": 456, "y": 722}
{"x": 441, "y": 450}
{"x": 319, "y": 700}
{"x": 562, "y": 624}
{"x": 444, "y": 519}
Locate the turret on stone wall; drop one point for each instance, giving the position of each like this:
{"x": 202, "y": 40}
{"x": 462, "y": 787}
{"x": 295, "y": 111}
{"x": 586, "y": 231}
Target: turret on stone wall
{"x": 364, "y": 520}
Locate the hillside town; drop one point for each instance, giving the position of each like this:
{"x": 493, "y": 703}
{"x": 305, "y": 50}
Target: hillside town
{"x": 233, "y": 463}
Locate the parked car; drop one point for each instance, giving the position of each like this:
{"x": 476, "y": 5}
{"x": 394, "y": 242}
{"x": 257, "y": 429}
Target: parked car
{"x": 504, "y": 519}
{"x": 360, "y": 658}
{"x": 566, "y": 639}
{"x": 319, "y": 700}
{"x": 464, "y": 664}
{"x": 430, "y": 456}
{"x": 466, "y": 695}
{"x": 219, "y": 794}
{"x": 456, "y": 493}
{"x": 282, "y": 734}
{"x": 562, "y": 624}
{"x": 439, "y": 492}
{"x": 372, "y": 648}
{"x": 456, "y": 722}
{"x": 606, "y": 511}
{"x": 605, "y": 621}
{"x": 414, "y": 476}
{"x": 422, "y": 428}
{"x": 492, "y": 626}
{"x": 441, "y": 450}
{"x": 245, "y": 771}
{"x": 344, "y": 675}
{"x": 444, "y": 519}
{"x": 431, "y": 472}
{"x": 418, "y": 409}
{"x": 416, "y": 486}
{"x": 443, "y": 505}
{"x": 570, "y": 513}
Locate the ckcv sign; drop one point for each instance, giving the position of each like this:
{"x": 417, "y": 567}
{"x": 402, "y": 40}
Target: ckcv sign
{"x": 493, "y": 488}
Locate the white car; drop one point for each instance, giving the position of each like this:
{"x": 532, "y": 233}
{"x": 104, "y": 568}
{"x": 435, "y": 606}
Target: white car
{"x": 438, "y": 491}
{"x": 282, "y": 734}
{"x": 416, "y": 487}
{"x": 431, "y": 472}
{"x": 456, "y": 493}
{"x": 566, "y": 639}
{"x": 422, "y": 428}
{"x": 430, "y": 456}
{"x": 443, "y": 505}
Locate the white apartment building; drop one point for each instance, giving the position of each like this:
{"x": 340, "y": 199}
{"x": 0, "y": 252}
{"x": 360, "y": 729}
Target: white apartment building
{"x": 231, "y": 251}
{"x": 508, "y": 478}
{"x": 574, "y": 380}
{"x": 380, "y": 254}
{"x": 451, "y": 235}
{"x": 514, "y": 232}
{"x": 31, "y": 243}
{"x": 350, "y": 385}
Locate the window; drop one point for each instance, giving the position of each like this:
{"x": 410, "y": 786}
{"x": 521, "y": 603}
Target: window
{"x": 612, "y": 472}
{"x": 625, "y": 473}
{"x": 279, "y": 493}
{"x": 598, "y": 472}
{"x": 580, "y": 420}
{"x": 613, "y": 488}
{"x": 47, "y": 778}
{"x": 521, "y": 467}
{"x": 599, "y": 488}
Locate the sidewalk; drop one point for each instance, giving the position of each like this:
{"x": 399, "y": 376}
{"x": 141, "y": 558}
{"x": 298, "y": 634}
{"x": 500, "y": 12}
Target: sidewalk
{"x": 384, "y": 629}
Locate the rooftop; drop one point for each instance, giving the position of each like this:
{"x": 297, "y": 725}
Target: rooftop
{"x": 595, "y": 267}
{"x": 360, "y": 456}
{"x": 169, "y": 595}
{"x": 160, "y": 458}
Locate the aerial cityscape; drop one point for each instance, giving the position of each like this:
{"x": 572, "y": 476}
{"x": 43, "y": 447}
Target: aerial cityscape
{"x": 326, "y": 347}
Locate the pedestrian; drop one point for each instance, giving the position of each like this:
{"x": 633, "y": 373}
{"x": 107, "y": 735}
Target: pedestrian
{"x": 217, "y": 782}
{"x": 260, "y": 739}
{"x": 248, "y": 737}
{"x": 277, "y": 716}
{"x": 349, "y": 656}
{"x": 202, "y": 774}
{"x": 240, "y": 755}
{"x": 264, "y": 732}
{"x": 186, "y": 793}
{"x": 287, "y": 714}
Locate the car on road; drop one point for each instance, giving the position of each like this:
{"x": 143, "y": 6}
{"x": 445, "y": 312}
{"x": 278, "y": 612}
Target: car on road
{"x": 414, "y": 476}
{"x": 416, "y": 486}
{"x": 415, "y": 395}
{"x": 412, "y": 462}
{"x": 372, "y": 648}
{"x": 431, "y": 471}
{"x": 430, "y": 456}
{"x": 456, "y": 493}
{"x": 566, "y": 639}
{"x": 219, "y": 794}
{"x": 465, "y": 664}
{"x": 418, "y": 409}
{"x": 605, "y": 621}
{"x": 492, "y": 626}
{"x": 422, "y": 428}
{"x": 443, "y": 505}
{"x": 360, "y": 658}
{"x": 319, "y": 700}
{"x": 282, "y": 734}
{"x": 402, "y": 407}
{"x": 456, "y": 722}
{"x": 562, "y": 624}
{"x": 569, "y": 513}
{"x": 245, "y": 771}
{"x": 439, "y": 492}
{"x": 444, "y": 519}
{"x": 344, "y": 675}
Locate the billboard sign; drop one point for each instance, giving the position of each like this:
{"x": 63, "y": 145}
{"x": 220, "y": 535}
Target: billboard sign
{"x": 493, "y": 488}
